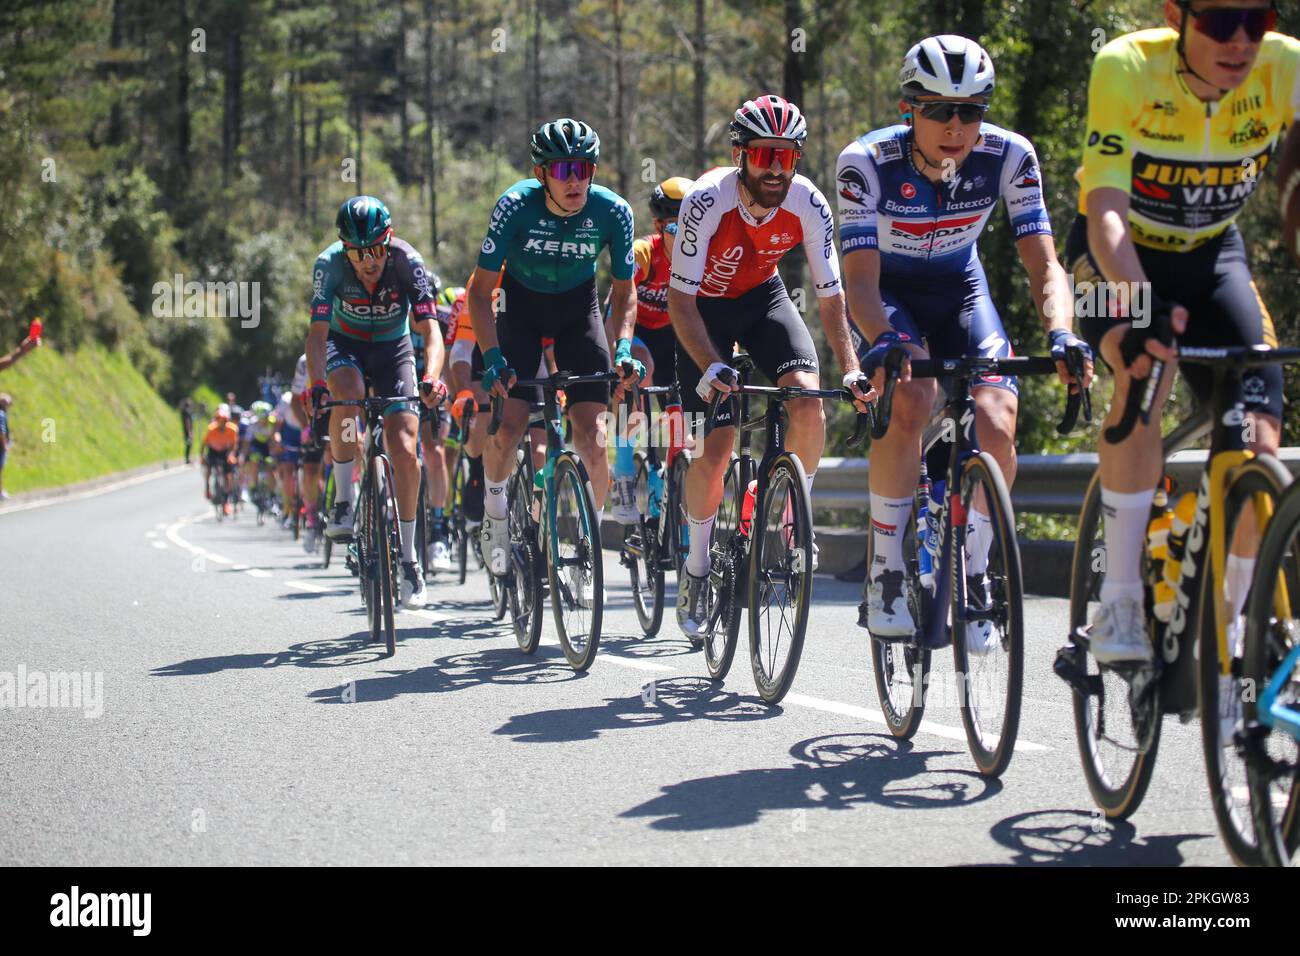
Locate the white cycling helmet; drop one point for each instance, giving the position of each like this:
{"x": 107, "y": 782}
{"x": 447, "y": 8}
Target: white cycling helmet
{"x": 947, "y": 65}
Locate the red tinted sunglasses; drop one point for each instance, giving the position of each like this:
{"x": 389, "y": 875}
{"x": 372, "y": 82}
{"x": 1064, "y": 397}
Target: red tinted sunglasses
{"x": 564, "y": 168}
{"x": 763, "y": 156}
{"x": 1220, "y": 23}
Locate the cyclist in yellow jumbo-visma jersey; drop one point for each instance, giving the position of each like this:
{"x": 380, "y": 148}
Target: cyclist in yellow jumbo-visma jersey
{"x": 1181, "y": 123}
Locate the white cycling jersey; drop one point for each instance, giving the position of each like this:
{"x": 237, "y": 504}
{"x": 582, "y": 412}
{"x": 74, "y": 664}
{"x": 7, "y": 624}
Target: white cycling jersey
{"x": 722, "y": 251}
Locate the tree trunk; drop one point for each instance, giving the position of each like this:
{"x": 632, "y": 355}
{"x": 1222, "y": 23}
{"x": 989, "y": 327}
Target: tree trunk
{"x": 792, "y": 88}
{"x": 403, "y": 165}
{"x": 430, "y": 167}
{"x": 231, "y": 120}
{"x": 697, "y": 56}
{"x": 182, "y": 177}
{"x": 116, "y": 126}
{"x": 620, "y": 118}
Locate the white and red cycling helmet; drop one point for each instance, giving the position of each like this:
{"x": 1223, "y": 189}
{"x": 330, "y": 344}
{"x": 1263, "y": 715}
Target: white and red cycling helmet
{"x": 768, "y": 117}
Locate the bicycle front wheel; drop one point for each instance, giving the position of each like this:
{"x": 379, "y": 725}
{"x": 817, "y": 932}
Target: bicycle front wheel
{"x": 1117, "y": 742}
{"x": 1258, "y": 483}
{"x": 901, "y": 668}
{"x": 574, "y": 566}
{"x": 387, "y": 545}
{"x": 725, "y": 550}
{"x": 780, "y": 577}
{"x": 521, "y": 588}
{"x": 989, "y": 652}
{"x": 1272, "y": 631}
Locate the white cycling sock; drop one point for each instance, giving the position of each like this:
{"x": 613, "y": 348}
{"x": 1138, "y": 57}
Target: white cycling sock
{"x": 1125, "y": 516}
{"x": 343, "y": 489}
{"x": 979, "y": 538}
{"x": 407, "y": 530}
{"x": 807, "y": 484}
{"x": 1236, "y": 585}
{"x": 889, "y": 517}
{"x": 697, "y": 561}
{"x": 495, "y": 504}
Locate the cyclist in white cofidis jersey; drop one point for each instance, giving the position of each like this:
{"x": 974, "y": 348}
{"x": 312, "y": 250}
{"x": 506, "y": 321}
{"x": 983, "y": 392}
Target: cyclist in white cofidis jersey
{"x": 734, "y": 226}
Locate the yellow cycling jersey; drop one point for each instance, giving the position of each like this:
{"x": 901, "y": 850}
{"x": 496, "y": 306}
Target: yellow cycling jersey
{"x": 1187, "y": 165}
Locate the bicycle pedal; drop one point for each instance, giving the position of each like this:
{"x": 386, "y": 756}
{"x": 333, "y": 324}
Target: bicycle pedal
{"x": 1068, "y": 666}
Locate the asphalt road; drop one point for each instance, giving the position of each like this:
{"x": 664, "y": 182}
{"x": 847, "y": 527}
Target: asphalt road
{"x": 242, "y": 720}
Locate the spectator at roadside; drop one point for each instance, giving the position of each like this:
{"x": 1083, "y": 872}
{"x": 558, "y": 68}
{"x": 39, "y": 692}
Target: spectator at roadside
{"x": 26, "y": 346}
{"x": 187, "y": 426}
{"x": 5, "y": 401}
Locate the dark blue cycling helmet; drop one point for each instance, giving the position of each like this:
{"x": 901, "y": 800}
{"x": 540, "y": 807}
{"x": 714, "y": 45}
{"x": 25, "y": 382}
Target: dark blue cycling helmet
{"x": 364, "y": 221}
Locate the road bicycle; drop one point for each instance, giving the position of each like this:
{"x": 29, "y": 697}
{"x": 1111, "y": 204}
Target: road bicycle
{"x": 375, "y": 539}
{"x": 554, "y": 527}
{"x": 761, "y": 548}
{"x": 658, "y": 542}
{"x": 1269, "y": 740}
{"x": 942, "y": 592}
{"x": 1119, "y": 708}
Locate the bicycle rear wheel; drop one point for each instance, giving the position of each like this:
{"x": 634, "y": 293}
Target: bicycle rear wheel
{"x": 780, "y": 578}
{"x": 575, "y": 568}
{"x": 1118, "y": 743}
{"x": 324, "y": 518}
{"x": 991, "y": 682}
{"x": 676, "y": 524}
{"x": 456, "y": 523}
{"x": 641, "y": 556}
{"x": 902, "y": 668}
{"x": 520, "y": 590}
{"x": 1272, "y": 631}
{"x": 726, "y": 548}
{"x": 1260, "y": 481}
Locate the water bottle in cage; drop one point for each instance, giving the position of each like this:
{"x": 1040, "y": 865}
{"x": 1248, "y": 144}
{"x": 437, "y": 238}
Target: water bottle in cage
{"x": 934, "y": 518}
{"x": 925, "y": 561}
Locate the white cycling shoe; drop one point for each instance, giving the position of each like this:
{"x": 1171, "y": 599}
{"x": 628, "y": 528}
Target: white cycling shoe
{"x": 887, "y": 612}
{"x": 495, "y": 535}
{"x": 1118, "y": 634}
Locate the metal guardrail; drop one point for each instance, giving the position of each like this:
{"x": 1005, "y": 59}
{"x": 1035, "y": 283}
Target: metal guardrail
{"x": 1045, "y": 484}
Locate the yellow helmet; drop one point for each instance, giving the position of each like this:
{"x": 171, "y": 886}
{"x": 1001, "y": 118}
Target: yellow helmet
{"x": 667, "y": 197}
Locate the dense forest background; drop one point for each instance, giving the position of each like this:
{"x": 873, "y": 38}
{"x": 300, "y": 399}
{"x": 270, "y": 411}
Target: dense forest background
{"x": 214, "y": 139}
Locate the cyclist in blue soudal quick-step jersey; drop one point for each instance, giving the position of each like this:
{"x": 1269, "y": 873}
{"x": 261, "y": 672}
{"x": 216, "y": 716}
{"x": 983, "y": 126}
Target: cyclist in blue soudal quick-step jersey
{"x": 913, "y": 200}
{"x": 363, "y": 287}
{"x": 543, "y": 239}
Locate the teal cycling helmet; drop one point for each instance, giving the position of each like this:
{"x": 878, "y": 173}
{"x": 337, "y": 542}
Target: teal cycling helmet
{"x": 564, "y": 139}
{"x": 364, "y": 221}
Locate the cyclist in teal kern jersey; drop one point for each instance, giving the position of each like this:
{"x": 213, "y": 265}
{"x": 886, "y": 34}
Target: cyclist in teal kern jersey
{"x": 363, "y": 286}
{"x": 547, "y": 232}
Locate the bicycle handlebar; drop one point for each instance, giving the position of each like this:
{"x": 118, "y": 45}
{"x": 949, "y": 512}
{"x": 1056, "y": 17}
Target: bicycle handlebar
{"x": 783, "y": 393}
{"x": 972, "y": 367}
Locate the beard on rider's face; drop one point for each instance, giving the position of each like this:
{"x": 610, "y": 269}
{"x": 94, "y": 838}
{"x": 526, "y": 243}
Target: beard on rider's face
{"x": 769, "y": 189}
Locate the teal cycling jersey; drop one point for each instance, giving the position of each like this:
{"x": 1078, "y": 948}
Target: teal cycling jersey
{"x": 406, "y": 285}
{"x": 549, "y": 253}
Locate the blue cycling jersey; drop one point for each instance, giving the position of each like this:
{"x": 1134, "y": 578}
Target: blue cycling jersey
{"x": 927, "y": 230}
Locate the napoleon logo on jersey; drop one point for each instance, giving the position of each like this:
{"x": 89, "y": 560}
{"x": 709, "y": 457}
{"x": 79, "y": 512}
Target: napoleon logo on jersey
{"x": 853, "y": 185}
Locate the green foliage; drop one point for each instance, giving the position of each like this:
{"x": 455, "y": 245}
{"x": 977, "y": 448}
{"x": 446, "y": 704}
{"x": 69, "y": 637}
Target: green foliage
{"x": 79, "y": 415}
{"x": 131, "y": 152}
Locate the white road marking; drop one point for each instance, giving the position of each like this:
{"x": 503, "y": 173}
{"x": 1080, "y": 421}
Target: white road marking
{"x": 151, "y": 534}
{"x": 863, "y": 713}
{"x": 307, "y": 586}
{"x": 160, "y": 545}
{"x": 635, "y": 664}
